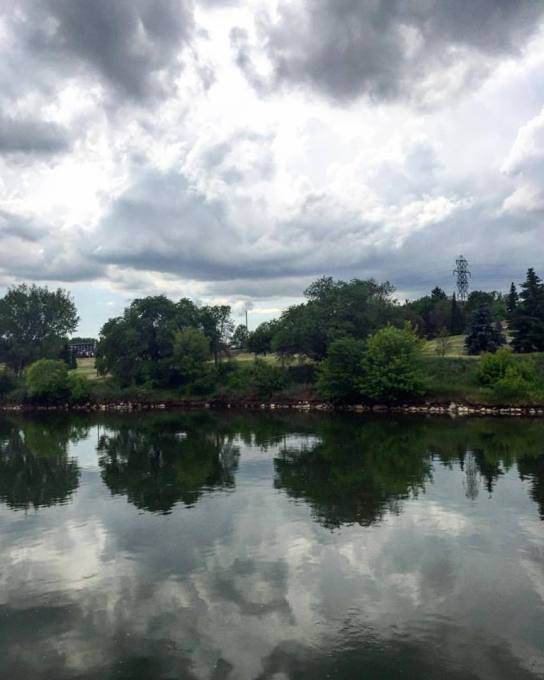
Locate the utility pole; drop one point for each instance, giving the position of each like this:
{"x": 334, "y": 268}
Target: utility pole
{"x": 462, "y": 273}
{"x": 247, "y": 327}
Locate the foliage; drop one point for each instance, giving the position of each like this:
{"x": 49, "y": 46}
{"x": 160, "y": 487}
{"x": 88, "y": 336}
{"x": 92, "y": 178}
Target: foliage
{"x": 484, "y": 333}
{"x": 47, "y": 380}
{"x": 493, "y": 299}
{"x": 528, "y": 320}
{"x": 217, "y": 326}
{"x": 190, "y": 353}
{"x": 510, "y": 377}
{"x": 430, "y": 314}
{"x": 260, "y": 378}
{"x": 260, "y": 340}
{"x": 34, "y": 323}
{"x": 138, "y": 347}
{"x": 79, "y": 388}
{"x": 340, "y": 373}
{"x": 512, "y": 302}
{"x": 333, "y": 309}
{"x": 457, "y": 317}
{"x": 392, "y": 365}
{"x": 240, "y": 337}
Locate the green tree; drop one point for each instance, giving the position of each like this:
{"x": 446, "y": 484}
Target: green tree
{"x": 34, "y": 323}
{"x": 512, "y": 303}
{"x": 137, "y": 347}
{"x": 392, "y": 365}
{"x": 217, "y": 325}
{"x": 240, "y": 337}
{"x": 79, "y": 388}
{"x": 457, "y": 318}
{"x": 429, "y": 314}
{"x": 528, "y": 322}
{"x": 492, "y": 299}
{"x": 438, "y": 294}
{"x": 47, "y": 380}
{"x": 334, "y": 309}
{"x": 484, "y": 333}
{"x": 340, "y": 373}
{"x": 191, "y": 351}
{"x": 260, "y": 340}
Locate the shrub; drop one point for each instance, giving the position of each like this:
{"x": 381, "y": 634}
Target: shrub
{"x": 492, "y": 367}
{"x": 47, "y": 380}
{"x": 268, "y": 378}
{"x": 340, "y": 374}
{"x": 258, "y": 378}
{"x": 391, "y": 366}
{"x": 514, "y": 386}
{"x": 510, "y": 377}
{"x": 79, "y": 387}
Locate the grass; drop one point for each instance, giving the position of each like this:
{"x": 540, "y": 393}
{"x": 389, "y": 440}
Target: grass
{"x": 86, "y": 367}
{"x": 454, "y": 379}
{"x": 244, "y": 357}
{"x": 455, "y": 346}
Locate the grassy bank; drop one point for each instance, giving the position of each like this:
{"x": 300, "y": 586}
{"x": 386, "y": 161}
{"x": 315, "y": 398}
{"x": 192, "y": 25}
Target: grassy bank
{"x": 447, "y": 379}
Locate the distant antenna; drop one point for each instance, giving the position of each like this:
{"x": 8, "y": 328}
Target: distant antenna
{"x": 247, "y": 327}
{"x": 463, "y": 274}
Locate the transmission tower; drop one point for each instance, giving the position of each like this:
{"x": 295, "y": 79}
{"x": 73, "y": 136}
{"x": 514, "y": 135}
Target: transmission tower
{"x": 463, "y": 274}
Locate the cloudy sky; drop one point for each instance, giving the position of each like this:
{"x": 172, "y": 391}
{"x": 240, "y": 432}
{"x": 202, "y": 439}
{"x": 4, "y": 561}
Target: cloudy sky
{"x": 234, "y": 150}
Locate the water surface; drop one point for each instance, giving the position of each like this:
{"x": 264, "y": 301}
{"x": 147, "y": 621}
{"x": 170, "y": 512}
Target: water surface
{"x": 270, "y": 546}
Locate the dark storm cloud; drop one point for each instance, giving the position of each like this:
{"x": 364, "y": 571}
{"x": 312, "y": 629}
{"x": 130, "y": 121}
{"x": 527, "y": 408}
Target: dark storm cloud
{"x": 126, "y": 43}
{"x": 31, "y": 137}
{"x": 386, "y": 48}
{"x": 37, "y": 251}
{"x": 162, "y": 224}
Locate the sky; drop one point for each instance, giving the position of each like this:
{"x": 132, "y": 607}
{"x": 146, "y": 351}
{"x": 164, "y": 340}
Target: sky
{"x": 233, "y": 151}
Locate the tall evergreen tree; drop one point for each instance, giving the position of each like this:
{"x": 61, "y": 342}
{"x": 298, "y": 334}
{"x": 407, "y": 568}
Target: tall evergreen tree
{"x": 528, "y": 323}
{"x": 485, "y": 333}
{"x": 438, "y": 294}
{"x": 512, "y": 303}
{"x": 457, "y": 318}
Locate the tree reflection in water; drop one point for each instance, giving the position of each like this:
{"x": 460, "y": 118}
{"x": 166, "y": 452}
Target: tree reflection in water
{"x": 360, "y": 470}
{"x": 164, "y": 460}
{"x": 35, "y": 470}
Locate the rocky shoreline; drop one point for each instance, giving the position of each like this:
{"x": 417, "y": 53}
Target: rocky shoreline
{"x": 452, "y": 409}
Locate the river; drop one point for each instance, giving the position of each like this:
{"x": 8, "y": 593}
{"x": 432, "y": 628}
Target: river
{"x": 270, "y": 546}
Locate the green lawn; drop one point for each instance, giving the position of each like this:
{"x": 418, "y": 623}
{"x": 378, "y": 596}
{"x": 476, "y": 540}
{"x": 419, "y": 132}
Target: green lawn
{"x": 86, "y": 367}
{"x": 455, "y": 346}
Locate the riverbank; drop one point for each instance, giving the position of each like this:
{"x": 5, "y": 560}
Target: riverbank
{"x": 452, "y": 409}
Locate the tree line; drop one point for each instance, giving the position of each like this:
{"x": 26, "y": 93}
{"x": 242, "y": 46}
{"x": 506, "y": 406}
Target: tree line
{"x": 168, "y": 344}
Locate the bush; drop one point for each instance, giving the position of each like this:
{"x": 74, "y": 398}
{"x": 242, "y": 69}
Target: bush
{"x": 391, "y": 366}
{"x": 514, "y": 386}
{"x": 47, "y": 380}
{"x": 268, "y": 378}
{"x": 340, "y": 374}
{"x": 80, "y": 388}
{"x": 258, "y": 378}
{"x": 511, "y": 377}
